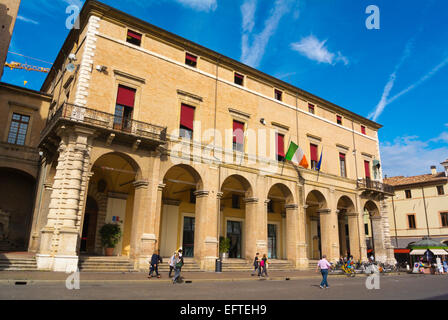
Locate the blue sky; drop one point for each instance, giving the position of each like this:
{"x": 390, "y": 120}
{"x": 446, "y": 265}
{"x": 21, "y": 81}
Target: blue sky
{"x": 397, "y": 75}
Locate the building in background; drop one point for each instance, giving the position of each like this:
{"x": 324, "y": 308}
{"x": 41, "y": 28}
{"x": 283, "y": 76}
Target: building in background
{"x": 8, "y": 16}
{"x": 127, "y": 140}
{"x": 419, "y": 208}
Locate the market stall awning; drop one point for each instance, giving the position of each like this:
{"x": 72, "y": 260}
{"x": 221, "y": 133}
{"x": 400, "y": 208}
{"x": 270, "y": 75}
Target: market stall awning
{"x": 402, "y": 250}
{"x": 439, "y": 252}
{"x": 418, "y": 252}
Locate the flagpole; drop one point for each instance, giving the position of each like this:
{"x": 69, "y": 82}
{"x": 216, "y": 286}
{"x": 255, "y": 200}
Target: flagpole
{"x": 320, "y": 164}
{"x": 284, "y": 159}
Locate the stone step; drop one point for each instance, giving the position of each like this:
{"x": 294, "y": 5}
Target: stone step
{"x": 105, "y": 264}
{"x": 18, "y": 264}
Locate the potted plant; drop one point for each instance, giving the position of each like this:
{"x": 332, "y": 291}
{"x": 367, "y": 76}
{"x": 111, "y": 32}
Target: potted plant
{"x": 110, "y": 235}
{"x": 224, "y": 246}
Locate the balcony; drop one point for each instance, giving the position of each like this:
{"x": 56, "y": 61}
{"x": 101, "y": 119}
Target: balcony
{"x": 106, "y": 124}
{"x": 373, "y": 186}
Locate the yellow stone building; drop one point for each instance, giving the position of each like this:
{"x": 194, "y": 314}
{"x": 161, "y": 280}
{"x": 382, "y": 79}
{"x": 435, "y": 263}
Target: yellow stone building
{"x": 181, "y": 146}
{"x": 8, "y": 16}
{"x": 419, "y": 208}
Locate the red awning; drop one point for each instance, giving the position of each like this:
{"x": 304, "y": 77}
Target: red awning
{"x": 134, "y": 35}
{"x": 126, "y": 96}
{"x": 187, "y": 116}
{"x": 280, "y": 145}
{"x": 369, "y": 250}
{"x": 191, "y": 57}
{"x": 238, "y": 132}
{"x": 402, "y": 250}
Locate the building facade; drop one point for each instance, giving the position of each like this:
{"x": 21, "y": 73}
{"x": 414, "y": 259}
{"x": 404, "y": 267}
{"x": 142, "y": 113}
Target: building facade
{"x": 419, "y": 208}
{"x": 8, "y": 16}
{"x": 181, "y": 146}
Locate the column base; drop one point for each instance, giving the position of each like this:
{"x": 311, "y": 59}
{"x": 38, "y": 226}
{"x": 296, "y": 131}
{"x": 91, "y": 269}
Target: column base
{"x": 44, "y": 262}
{"x": 208, "y": 263}
{"x": 58, "y": 263}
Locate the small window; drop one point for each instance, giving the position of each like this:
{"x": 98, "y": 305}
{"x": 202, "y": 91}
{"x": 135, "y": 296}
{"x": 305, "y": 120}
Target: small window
{"x": 239, "y": 79}
{"x": 363, "y": 130}
{"x": 191, "y": 60}
{"x": 343, "y": 166}
{"x": 313, "y": 153}
{"x": 311, "y": 108}
{"x": 411, "y": 221}
{"x": 134, "y": 38}
{"x": 440, "y": 190}
{"x": 186, "y": 121}
{"x": 408, "y": 194}
{"x": 444, "y": 218}
{"x": 278, "y": 95}
{"x": 235, "y": 201}
{"x": 339, "y": 119}
{"x": 18, "y": 129}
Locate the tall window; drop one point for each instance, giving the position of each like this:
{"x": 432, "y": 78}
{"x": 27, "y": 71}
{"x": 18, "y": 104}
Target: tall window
{"x": 408, "y": 194}
{"x": 313, "y": 156}
{"x": 444, "y": 219}
{"x": 339, "y": 119}
{"x": 411, "y": 221}
{"x": 343, "y": 166}
{"x": 310, "y": 108}
{"x": 134, "y": 38}
{"x": 124, "y": 108}
{"x": 367, "y": 168}
{"x": 186, "y": 121}
{"x": 191, "y": 60}
{"x": 239, "y": 79}
{"x": 280, "y": 147}
{"x": 238, "y": 136}
{"x": 440, "y": 190}
{"x": 363, "y": 130}
{"x": 278, "y": 95}
{"x": 18, "y": 129}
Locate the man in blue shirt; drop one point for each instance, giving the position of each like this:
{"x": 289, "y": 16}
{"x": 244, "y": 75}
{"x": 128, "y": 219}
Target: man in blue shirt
{"x": 155, "y": 259}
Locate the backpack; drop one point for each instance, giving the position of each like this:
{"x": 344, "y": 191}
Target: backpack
{"x": 262, "y": 263}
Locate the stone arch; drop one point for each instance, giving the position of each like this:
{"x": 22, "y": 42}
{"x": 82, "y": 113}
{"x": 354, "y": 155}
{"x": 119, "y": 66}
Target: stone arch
{"x": 100, "y": 198}
{"x": 243, "y": 181}
{"x": 371, "y": 208}
{"x": 134, "y": 163}
{"x": 348, "y": 228}
{"x": 178, "y": 172}
{"x": 316, "y": 198}
{"x": 284, "y": 190}
{"x": 346, "y": 205}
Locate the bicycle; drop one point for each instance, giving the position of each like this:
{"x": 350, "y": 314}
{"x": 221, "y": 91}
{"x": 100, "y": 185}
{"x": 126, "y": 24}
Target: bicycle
{"x": 349, "y": 271}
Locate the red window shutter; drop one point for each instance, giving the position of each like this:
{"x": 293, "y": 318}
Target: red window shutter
{"x": 238, "y": 132}
{"x": 134, "y": 35}
{"x": 342, "y": 156}
{"x": 280, "y": 145}
{"x": 187, "y": 116}
{"x": 367, "y": 168}
{"x": 311, "y": 108}
{"x": 239, "y": 76}
{"x": 313, "y": 150}
{"x": 363, "y": 130}
{"x": 191, "y": 57}
{"x": 126, "y": 96}
{"x": 339, "y": 119}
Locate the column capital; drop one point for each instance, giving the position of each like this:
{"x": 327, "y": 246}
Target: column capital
{"x": 323, "y": 211}
{"x": 250, "y": 200}
{"x": 201, "y": 193}
{"x": 219, "y": 194}
{"x": 376, "y": 217}
{"x": 161, "y": 186}
{"x": 351, "y": 214}
{"x": 140, "y": 184}
{"x": 291, "y": 206}
{"x": 267, "y": 201}
{"x": 305, "y": 206}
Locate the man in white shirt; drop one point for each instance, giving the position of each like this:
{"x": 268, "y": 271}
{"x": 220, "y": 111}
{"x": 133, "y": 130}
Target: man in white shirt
{"x": 323, "y": 265}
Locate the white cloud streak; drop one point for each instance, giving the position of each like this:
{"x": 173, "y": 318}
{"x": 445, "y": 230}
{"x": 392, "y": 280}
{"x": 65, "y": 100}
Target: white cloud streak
{"x": 252, "y": 53}
{"x": 27, "y": 20}
{"x": 315, "y": 50}
{"x": 200, "y": 5}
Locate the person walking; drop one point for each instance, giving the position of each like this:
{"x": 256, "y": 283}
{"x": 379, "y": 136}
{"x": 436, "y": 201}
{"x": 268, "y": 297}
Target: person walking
{"x": 155, "y": 259}
{"x": 172, "y": 263}
{"x": 323, "y": 265}
{"x": 179, "y": 262}
{"x": 264, "y": 266}
{"x": 256, "y": 262}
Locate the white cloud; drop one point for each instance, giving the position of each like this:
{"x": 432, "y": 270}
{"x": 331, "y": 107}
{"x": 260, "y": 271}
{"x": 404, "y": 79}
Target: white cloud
{"x": 200, "y": 5}
{"x": 27, "y": 20}
{"x": 314, "y": 49}
{"x": 252, "y": 53}
{"x": 409, "y": 156}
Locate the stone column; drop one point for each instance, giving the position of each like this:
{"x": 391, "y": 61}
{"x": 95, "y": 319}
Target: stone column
{"x": 59, "y": 240}
{"x": 206, "y": 228}
{"x": 292, "y": 234}
{"x": 329, "y": 234}
{"x": 141, "y": 201}
{"x": 252, "y": 224}
{"x": 353, "y": 234}
{"x": 389, "y": 248}
{"x": 342, "y": 236}
{"x": 377, "y": 232}
{"x": 302, "y": 246}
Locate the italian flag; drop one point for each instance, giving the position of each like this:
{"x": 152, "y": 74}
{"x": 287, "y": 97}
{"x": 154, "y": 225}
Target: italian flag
{"x": 296, "y": 155}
